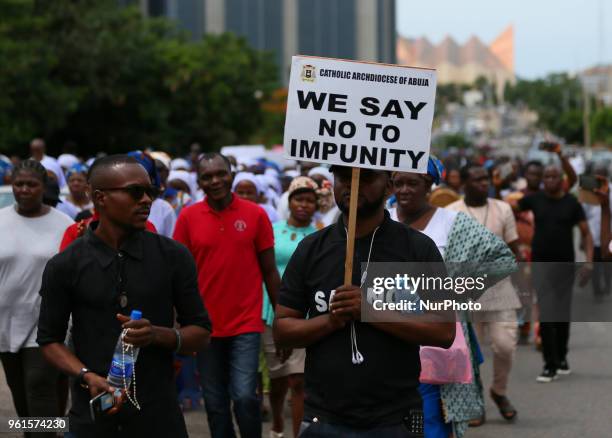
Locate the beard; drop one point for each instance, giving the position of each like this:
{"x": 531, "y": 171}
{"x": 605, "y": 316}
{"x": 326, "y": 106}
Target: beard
{"x": 366, "y": 210}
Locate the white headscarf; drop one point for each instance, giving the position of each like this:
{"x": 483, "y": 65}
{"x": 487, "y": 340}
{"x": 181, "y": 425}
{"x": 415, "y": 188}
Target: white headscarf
{"x": 179, "y": 164}
{"x": 272, "y": 172}
{"x": 248, "y": 176}
{"x": 265, "y": 182}
{"x": 186, "y": 177}
{"x": 67, "y": 161}
{"x": 51, "y": 164}
{"x": 163, "y": 157}
{"x": 324, "y": 171}
{"x": 272, "y": 182}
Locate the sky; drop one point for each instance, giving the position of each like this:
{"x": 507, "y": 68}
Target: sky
{"x": 549, "y": 35}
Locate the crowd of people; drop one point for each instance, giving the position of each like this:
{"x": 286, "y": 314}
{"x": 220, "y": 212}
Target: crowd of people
{"x": 238, "y": 269}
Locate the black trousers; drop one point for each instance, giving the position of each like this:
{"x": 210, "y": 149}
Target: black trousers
{"x": 161, "y": 418}
{"x": 555, "y": 339}
{"x": 554, "y": 283}
{"x": 33, "y": 384}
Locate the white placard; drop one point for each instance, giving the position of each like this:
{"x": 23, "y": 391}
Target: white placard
{"x": 359, "y": 114}
{"x": 243, "y": 153}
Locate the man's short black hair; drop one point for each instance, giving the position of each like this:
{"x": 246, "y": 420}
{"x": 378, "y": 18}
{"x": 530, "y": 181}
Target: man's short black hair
{"x": 464, "y": 173}
{"x": 104, "y": 163}
{"x": 450, "y": 169}
{"x": 211, "y": 156}
{"x": 536, "y": 163}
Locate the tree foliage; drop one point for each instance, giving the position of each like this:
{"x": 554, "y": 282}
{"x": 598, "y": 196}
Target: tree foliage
{"x": 557, "y": 99}
{"x": 458, "y": 140}
{"x": 601, "y": 126}
{"x": 105, "y": 77}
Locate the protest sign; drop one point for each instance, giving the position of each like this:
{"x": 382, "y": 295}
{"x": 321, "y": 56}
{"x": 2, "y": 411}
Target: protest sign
{"x": 359, "y": 114}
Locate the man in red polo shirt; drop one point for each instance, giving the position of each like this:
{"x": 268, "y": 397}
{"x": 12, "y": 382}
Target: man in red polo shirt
{"x": 232, "y": 242}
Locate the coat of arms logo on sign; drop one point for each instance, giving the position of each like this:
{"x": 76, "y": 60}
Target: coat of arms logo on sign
{"x": 309, "y": 73}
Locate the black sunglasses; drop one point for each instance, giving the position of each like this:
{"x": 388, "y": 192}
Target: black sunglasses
{"x": 136, "y": 191}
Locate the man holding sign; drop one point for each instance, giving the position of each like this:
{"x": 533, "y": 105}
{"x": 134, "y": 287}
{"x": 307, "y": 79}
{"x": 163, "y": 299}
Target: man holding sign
{"x": 361, "y": 378}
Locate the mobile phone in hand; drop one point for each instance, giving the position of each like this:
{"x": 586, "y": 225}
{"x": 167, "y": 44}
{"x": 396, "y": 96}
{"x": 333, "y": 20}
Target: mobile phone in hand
{"x": 101, "y": 404}
{"x": 589, "y": 182}
{"x": 549, "y": 146}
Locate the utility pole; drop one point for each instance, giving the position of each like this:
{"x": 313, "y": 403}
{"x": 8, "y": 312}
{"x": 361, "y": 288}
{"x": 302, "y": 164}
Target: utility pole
{"x": 586, "y": 118}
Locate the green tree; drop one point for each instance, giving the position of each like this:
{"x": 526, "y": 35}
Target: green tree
{"x": 32, "y": 101}
{"x": 601, "y": 126}
{"x": 105, "y": 77}
{"x": 570, "y": 126}
{"x": 557, "y": 99}
{"x": 449, "y": 93}
{"x": 217, "y": 86}
{"x": 452, "y": 140}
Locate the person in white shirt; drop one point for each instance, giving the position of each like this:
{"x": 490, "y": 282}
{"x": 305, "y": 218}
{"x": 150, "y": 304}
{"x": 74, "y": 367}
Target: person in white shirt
{"x": 162, "y": 214}
{"x": 30, "y": 233}
{"x": 37, "y": 151}
{"x": 78, "y": 199}
{"x": 499, "y": 320}
{"x": 593, "y": 214}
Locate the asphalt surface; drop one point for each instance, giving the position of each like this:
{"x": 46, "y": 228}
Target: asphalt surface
{"x": 579, "y": 405}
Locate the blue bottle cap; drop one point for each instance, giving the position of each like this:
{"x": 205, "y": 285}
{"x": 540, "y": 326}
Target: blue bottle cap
{"x": 136, "y": 314}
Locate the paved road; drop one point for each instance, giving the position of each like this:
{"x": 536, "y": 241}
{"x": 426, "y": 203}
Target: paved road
{"x": 579, "y": 405}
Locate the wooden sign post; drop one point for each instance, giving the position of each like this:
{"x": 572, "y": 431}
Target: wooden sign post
{"x": 352, "y": 223}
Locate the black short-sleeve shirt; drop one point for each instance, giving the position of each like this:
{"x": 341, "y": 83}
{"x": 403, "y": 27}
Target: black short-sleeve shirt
{"x": 158, "y": 277}
{"x": 554, "y": 220}
{"x": 384, "y": 388}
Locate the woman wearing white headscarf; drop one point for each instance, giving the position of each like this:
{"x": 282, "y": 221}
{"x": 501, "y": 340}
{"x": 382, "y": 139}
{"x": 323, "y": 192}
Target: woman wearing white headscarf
{"x": 328, "y": 210}
{"x": 271, "y": 188}
{"x": 53, "y": 166}
{"x": 248, "y": 186}
{"x": 179, "y": 189}
{"x": 322, "y": 172}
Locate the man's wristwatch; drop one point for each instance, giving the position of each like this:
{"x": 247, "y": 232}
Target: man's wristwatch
{"x": 80, "y": 378}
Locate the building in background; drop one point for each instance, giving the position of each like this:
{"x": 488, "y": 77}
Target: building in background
{"x": 597, "y": 81}
{"x": 463, "y": 64}
{"x": 352, "y": 29}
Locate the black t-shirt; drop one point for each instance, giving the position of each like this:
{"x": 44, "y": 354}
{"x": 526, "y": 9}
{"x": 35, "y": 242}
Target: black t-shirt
{"x": 555, "y": 219}
{"x": 86, "y": 280}
{"x": 384, "y": 388}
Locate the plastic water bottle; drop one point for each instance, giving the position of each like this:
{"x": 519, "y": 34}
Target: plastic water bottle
{"x": 118, "y": 365}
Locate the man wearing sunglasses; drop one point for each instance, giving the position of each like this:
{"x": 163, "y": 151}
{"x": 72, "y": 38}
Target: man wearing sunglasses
{"x": 79, "y": 228}
{"x": 117, "y": 267}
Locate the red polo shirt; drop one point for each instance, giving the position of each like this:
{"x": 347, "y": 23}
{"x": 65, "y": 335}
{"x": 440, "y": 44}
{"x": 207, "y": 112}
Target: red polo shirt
{"x": 225, "y": 245}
